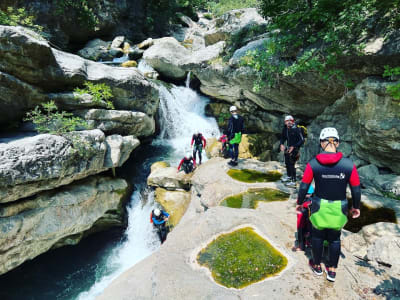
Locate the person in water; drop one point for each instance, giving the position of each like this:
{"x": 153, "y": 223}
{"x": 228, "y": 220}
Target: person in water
{"x": 187, "y": 164}
{"x": 235, "y": 129}
{"x": 199, "y": 143}
{"x": 159, "y": 219}
{"x": 331, "y": 173}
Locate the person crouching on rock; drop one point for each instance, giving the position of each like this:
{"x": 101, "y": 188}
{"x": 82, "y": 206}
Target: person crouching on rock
{"x": 331, "y": 173}
{"x": 199, "y": 144}
{"x": 235, "y": 129}
{"x": 159, "y": 219}
{"x": 187, "y": 164}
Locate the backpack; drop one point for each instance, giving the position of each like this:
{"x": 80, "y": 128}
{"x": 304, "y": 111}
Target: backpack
{"x": 303, "y": 130}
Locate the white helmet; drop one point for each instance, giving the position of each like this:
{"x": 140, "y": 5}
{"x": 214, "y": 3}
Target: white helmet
{"x": 188, "y": 154}
{"x": 289, "y": 117}
{"x": 157, "y": 212}
{"x": 232, "y": 108}
{"x": 329, "y": 132}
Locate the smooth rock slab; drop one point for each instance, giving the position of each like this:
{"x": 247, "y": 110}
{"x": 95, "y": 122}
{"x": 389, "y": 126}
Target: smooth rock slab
{"x": 170, "y": 179}
{"x": 33, "y": 226}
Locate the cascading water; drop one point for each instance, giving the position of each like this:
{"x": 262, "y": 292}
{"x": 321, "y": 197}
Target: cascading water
{"x": 181, "y": 114}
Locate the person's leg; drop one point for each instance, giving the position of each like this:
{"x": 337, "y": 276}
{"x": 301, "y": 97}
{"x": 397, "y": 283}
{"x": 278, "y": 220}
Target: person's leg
{"x": 287, "y": 163}
{"x": 200, "y": 149}
{"x": 194, "y": 151}
{"x": 236, "y": 152}
{"x": 317, "y": 240}
{"x": 333, "y": 237}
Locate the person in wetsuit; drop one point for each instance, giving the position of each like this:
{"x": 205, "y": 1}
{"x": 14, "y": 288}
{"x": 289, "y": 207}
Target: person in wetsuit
{"x": 159, "y": 219}
{"x": 292, "y": 135}
{"x": 235, "y": 129}
{"x": 199, "y": 143}
{"x": 187, "y": 163}
{"x": 331, "y": 173}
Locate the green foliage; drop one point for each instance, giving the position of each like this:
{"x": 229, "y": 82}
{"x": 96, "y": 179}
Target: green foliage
{"x": 220, "y": 7}
{"x": 208, "y": 16}
{"x": 391, "y": 195}
{"x": 393, "y": 74}
{"x": 100, "y": 92}
{"x": 223, "y": 117}
{"x": 83, "y": 11}
{"x": 322, "y": 31}
{"x": 246, "y": 175}
{"x": 18, "y": 16}
{"x": 251, "y": 198}
{"x": 241, "y": 258}
{"x": 49, "y": 120}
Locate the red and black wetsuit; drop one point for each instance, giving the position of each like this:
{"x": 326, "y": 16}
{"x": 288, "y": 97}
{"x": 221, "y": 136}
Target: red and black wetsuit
{"x": 331, "y": 173}
{"x": 199, "y": 143}
{"x": 187, "y": 165}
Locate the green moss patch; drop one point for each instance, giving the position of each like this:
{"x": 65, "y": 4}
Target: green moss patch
{"x": 254, "y": 176}
{"x": 240, "y": 258}
{"x": 251, "y": 198}
{"x": 370, "y": 216}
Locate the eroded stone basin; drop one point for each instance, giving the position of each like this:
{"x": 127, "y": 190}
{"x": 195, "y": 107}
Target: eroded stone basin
{"x": 251, "y": 176}
{"x": 240, "y": 258}
{"x": 253, "y": 196}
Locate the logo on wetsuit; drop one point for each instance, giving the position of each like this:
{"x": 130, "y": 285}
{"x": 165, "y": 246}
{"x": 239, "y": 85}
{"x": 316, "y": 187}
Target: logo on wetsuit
{"x": 332, "y": 176}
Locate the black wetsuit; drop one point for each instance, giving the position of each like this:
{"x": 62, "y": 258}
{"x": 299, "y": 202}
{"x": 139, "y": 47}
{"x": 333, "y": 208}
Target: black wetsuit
{"x": 331, "y": 173}
{"x": 235, "y": 125}
{"x": 294, "y": 138}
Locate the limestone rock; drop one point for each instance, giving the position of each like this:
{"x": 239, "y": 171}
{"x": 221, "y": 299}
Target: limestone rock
{"x": 146, "y": 44}
{"x": 43, "y": 162}
{"x": 164, "y": 55}
{"x": 118, "y": 42}
{"x": 252, "y": 46}
{"x": 118, "y": 149}
{"x": 213, "y": 148}
{"x": 72, "y": 101}
{"x": 35, "y": 225}
{"x": 174, "y": 202}
{"x": 119, "y": 122}
{"x": 129, "y": 64}
{"x": 95, "y": 50}
{"x": 159, "y": 165}
{"x": 232, "y": 22}
{"x": 169, "y": 178}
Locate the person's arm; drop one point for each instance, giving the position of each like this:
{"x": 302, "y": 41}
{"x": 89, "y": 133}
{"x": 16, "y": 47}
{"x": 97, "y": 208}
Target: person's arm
{"x": 204, "y": 142}
{"x": 355, "y": 188}
{"x": 165, "y": 214}
{"x": 230, "y": 128}
{"x": 283, "y": 139}
{"x": 155, "y": 221}
{"x": 242, "y": 124}
{"x": 180, "y": 164}
{"x": 305, "y": 183}
{"x": 194, "y": 162}
{"x": 191, "y": 143}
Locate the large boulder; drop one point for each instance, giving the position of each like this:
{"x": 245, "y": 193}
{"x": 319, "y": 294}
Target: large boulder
{"x": 119, "y": 122}
{"x": 43, "y": 162}
{"x": 29, "y": 58}
{"x": 231, "y": 23}
{"x": 169, "y": 178}
{"x": 119, "y": 149}
{"x": 56, "y": 218}
{"x": 174, "y": 202}
{"x": 95, "y": 50}
{"x": 73, "y": 100}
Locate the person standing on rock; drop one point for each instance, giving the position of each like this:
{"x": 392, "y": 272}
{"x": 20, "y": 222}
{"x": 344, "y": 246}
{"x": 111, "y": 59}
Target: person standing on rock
{"x": 199, "y": 143}
{"x": 331, "y": 173}
{"x": 235, "y": 129}
{"x": 159, "y": 219}
{"x": 292, "y": 135}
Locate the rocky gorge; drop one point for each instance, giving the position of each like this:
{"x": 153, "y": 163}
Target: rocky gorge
{"x": 55, "y": 190}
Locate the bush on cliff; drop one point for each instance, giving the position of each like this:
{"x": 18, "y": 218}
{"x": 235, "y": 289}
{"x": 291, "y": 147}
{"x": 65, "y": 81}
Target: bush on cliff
{"x": 18, "y": 17}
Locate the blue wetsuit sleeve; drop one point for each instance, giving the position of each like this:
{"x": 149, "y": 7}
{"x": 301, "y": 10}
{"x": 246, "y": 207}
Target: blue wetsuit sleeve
{"x": 165, "y": 213}
{"x": 158, "y": 222}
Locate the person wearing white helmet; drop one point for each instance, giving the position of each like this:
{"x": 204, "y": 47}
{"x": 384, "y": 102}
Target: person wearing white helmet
{"x": 187, "y": 163}
{"x": 199, "y": 143}
{"x": 293, "y": 136}
{"x": 331, "y": 173}
{"x": 235, "y": 129}
{"x": 159, "y": 219}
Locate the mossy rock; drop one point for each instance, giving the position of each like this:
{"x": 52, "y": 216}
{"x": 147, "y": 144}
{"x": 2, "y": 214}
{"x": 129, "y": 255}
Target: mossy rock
{"x": 213, "y": 147}
{"x": 370, "y": 215}
{"x": 251, "y": 176}
{"x": 159, "y": 165}
{"x": 252, "y": 197}
{"x": 129, "y": 64}
{"x": 240, "y": 258}
{"x": 174, "y": 202}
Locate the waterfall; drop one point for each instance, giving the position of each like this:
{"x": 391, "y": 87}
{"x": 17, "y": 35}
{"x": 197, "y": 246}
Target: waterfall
{"x": 181, "y": 114}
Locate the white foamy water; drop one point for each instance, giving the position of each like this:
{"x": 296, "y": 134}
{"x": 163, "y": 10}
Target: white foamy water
{"x": 181, "y": 115}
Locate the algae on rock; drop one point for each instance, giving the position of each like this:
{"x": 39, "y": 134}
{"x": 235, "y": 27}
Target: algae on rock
{"x": 246, "y": 175}
{"x": 240, "y": 258}
{"x": 251, "y": 198}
